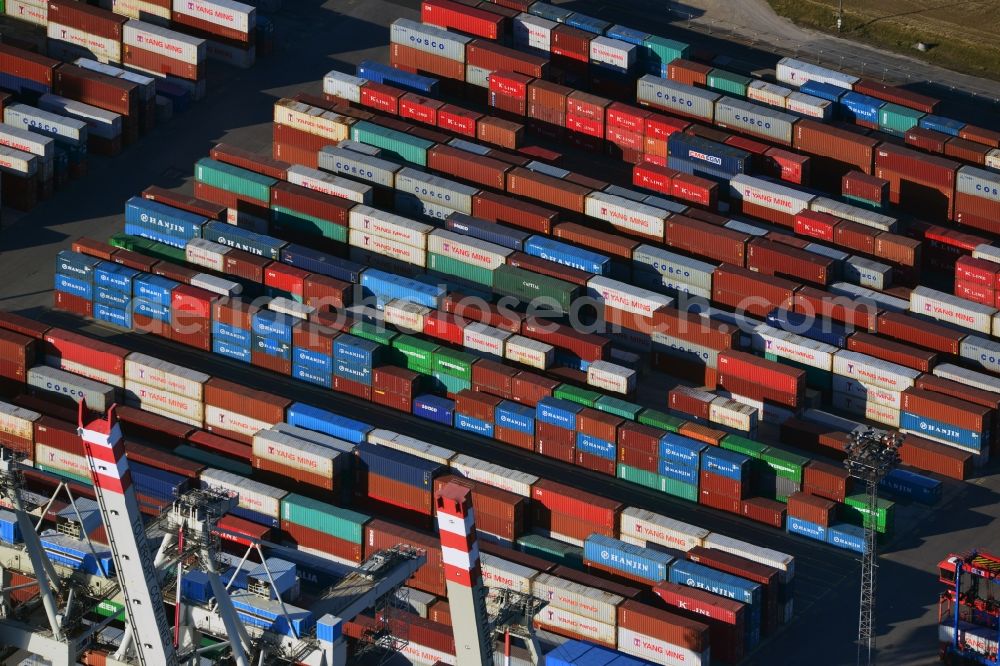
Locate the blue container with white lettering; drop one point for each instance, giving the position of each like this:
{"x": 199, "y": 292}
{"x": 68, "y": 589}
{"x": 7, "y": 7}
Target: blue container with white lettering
{"x": 679, "y": 449}
{"x": 115, "y": 276}
{"x": 629, "y": 35}
{"x": 933, "y": 429}
{"x": 268, "y": 345}
{"x": 163, "y": 223}
{"x": 244, "y": 239}
{"x": 941, "y": 124}
{"x": 645, "y": 563}
{"x": 354, "y": 371}
{"x": 313, "y": 375}
{"x": 904, "y": 484}
{"x": 692, "y": 574}
{"x": 848, "y": 537}
{"x": 74, "y": 286}
{"x": 678, "y": 472}
{"x": 472, "y": 424}
{"x": 315, "y": 261}
{"x": 352, "y": 349}
{"x": 381, "y": 73}
{"x": 711, "y": 156}
{"x": 313, "y": 418}
{"x": 77, "y": 265}
{"x": 435, "y": 408}
{"x": 490, "y": 232}
{"x": 112, "y": 298}
{"x": 724, "y": 462}
{"x": 231, "y": 334}
{"x": 117, "y": 316}
{"x": 274, "y": 325}
{"x": 596, "y": 446}
{"x": 312, "y": 359}
{"x": 515, "y": 416}
{"x": 855, "y": 106}
{"x": 389, "y": 287}
{"x": 567, "y": 255}
{"x": 397, "y": 465}
{"x": 557, "y": 412}
{"x": 816, "y": 328}
{"x": 231, "y": 350}
{"x": 805, "y": 528}
{"x": 589, "y": 24}
{"x": 154, "y": 311}
{"x": 154, "y": 288}
{"x": 827, "y": 91}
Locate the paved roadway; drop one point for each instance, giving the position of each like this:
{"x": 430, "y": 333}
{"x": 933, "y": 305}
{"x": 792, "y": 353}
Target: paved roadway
{"x": 315, "y": 37}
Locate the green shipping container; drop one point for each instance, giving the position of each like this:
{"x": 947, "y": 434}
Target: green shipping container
{"x": 410, "y": 148}
{"x": 418, "y": 354}
{"x": 148, "y": 247}
{"x": 454, "y": 363}
{"x": 452, "y": 384}
{"x": 109, "y": 608}
{"x": 451, "y": 266}
{"x": 723, "y": 81}
{"x": 550, "y": 549}
{"x": 662, "y": 51}
{"x": 527, "y": 286}
{"x": 688, "y": 491}
{"x": 234, "y": 179}
{"x": 372, "y": 332}
{"x": 640, "y": 476}
{"x": 864, "y": 203}
{"x": 855, "y": 510}
{"x": 897, "y": 120}
{"x": 285, "y": 220}
{"x": 618, "y": 407}
{"x": 747, "y": 447}
{"x": 658, "y": 419}
{"x": 85, "y": 480}
{"x": 580, "y": 396}
{"x": 785, "y": 463}
{"x": 214, "y": 460}
{"x": 322, "y": 517}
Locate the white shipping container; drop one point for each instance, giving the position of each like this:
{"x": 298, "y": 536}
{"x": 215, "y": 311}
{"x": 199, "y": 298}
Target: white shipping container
{"x": 952, "y": 309}
{"x": 67, "y": 41}
{"x": 611, "y": 377}
{"x": 622, "y": 212}
{"x": 867, "y": 273}
{"x": 769, "y": 195}
{"x": 869, "y": 218}
{"x": 436, "y": 189}
{"x": 163, "y": 41}
{"x": 467, "y": 249}
{"x": 428, "y": 39}
{"x": 164, "y": 375}
{"x": 328, "y": 183}
{"x": 110, "y": 378}
{"x": 768, "y": 93}
{"x": 59, "y": 460}
{"x": 17, "y": 421}
{"x": 143, "y": 396}
{"x": 768, "y": 556}
{"x": 406, "y": 315}
{"x": 29, "y": 12}
{"x": 625, "y": 297}
{"x": 387, "y": 248}
{"x": 477, "y": 76}
{"x": 801, "y": 349}
{"x": 153, "y": 409}
{"x": 868, "y": 392}
{"x": 216, "y": 285}
{"x": 296, "y": 453}
{"x": 987, "y": 252}
{"x": 767, "y": 412}
{"x": 414, "y": 653}
{"x": 675, "y": 266}
{"x": 755, "y": 119}
{"x": 290, "y": 307}
{"x": 315, "y": 437}
{"x": 344, "y": 86}
{"x": 874, "y": 371}
{"x": 312, "y": 120}
{"x": 869, "y": 297}
{"x": 658, "y": 651}
{"x": 411, "y": 445}
{"x": 511, "y": 480}
{"x": 254, "y": 496}
{"x": 971, "y": 636}
{"x": 993, "y": 159}
{"x": 18, "y": 162}
{"x": 588, "y": 602}
{"x": 100, "y": 123}
{"x": 679, "y": 348}
{"x": 563, "y": 621}
{"x": 810, "y": 106}
{"x": 533, "y": 353}
{"x": 206, "y": 253}
{"x": 350, "y": 162}
{"x": 99, "y": 396}
{"x": 968, "y": 377}
{"x": 981, "y": 351}
{"x": 227, "y": 13}
{"x": 661, "y": 530}
{"x": 679, "y": 97}
{"x": 978, "y": 183}
{"x": 486, "y": 339}
{"x": 796, "y": 72}
{"x": 146, "y": 10}
{"x": 27, "y": 117}
{"x": 872, "y": 411}
{"x": 613, "y": 52}
{"x": 732, "y": 414}
{"x": 499, "y": 573}
{"x": 217, "y": 418}
{"x": 533, "y": 32}
{"x": 30, "y": 142}
{"x": 389, "y": 225}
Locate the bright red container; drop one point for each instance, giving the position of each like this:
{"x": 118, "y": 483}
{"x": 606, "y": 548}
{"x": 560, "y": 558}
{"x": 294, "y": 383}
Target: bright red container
{"x": 160, "y": 63}
{"x": 78, "y": 306}
{"x": 626, "y": 117}
{"x": 770, "y": 375}
{"x": 233, "y": 312}
{"x": 814, "y": 509}
{"x": 419, "y": 108}
{"x": 588, "y": 346}
{"x": 699, "y": 191}
{"x": 570, "y": 43}
{"x": 529, "y": 388}
{"x": 816, "y": 225}
{"x": 652, "y": 177}
{"x": 825, "y": 480}
{"x": 659, "y": 126}
{"x": 786, "y": 165}
{"x": 101, "y": 356}
{"x": 382, "y": 97}
{"x": 304, "y": 537}
{"x": 585, "y": 126}
{"x": 471, "y": 309}
{"x": 448, "y": 14}
{"x": 444, "y": 326}
{"x": 586, "y": 507}
{"x": 509, "y": 84}
{"x": 458, "y": 120}
{"x": 286, "y": 278}
{"x": 894, "y": 352}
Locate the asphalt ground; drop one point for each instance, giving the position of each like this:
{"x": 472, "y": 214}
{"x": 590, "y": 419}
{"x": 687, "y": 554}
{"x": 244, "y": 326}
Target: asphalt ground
{"x": 314, "y": 37}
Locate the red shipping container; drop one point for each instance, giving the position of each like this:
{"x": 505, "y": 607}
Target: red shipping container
{"x": 381, "y": 97}
{"x": 652, "y": 177}
{"x": 380, "y": 535}
{"x": 550, "y": 268}
{"x": 586, "y": 507}
{"x": 233, "y": 312}
{"x": 986, "y": 137}
{"x": 509, "y": 84}
{"x": 814, "y": 509}
{"x": 444, "y": 326}
{"x": 786, "y": 165}
{"x": 688, "y": 71}
{"x": 286, "y": 278}
{"x": 552, "y": 447}
{"x": 477, "y": 169}
{"x": 947, "y": 409}
{"x": 238, "y": 450}
{"x": 897, "y": 249}
{"x": 395, "y": 493}
{"x": 448, "y": 14}
{"x": 528, "y": 388}
{"x": 857, "y": 237}
{"x": 471, "y": 309}
{"x": 78, "y": 306}
{"x": 206, "y": 29}
{"x": 478, "y": 405}
{"x": 158, "y": 430}
{"x": 419, "y": 108}
{"x": 595, "y": 463}
{"x": 719, "y": 501}
{"x": 570, "y": 43}
{"x": 601, "y": 425}
{"x": 522, "y": 440}
{"x": 304, "y": 537}
{"x": 896, "y": 95}
{"x": 816, "y": 225}
{"x": 92, "y": 20}
{"x": 894, "y": 352}
{"x": 159, "y": 63}
{"x": 694, "y": 402}
{"x": 594, "y": 128}
{"x": 458, "y": 120}
{"x": 585, "y": 105}
{"x": 724, "y": 617}
{"x": 769, "y": 374}
{"x": 818, "y": 303}
{"x": 978, "y": 271}
{"x": 412, "y": 59}
{"x": 763, "y": 510}
{"x": 17, "y": 354}
{"x": 493, "y": 377}
{"x": 840, "y": 145}
{"x": 313, "y": 337}
{"x": 239, "y": 399}
{"x": 27, "y": 65}
{"x": 639, "y": 437}
{"x": 770, "y": 258}
{"x": 11, "y": 321}
{"x": 757, "y": 294}
{"x": 59, "y": 435}
{"x": 73, "y": 347}
{"x": 706, "y": 240}
{"x": 554, "y": 435}
{"x": 934, "y": 457}
{"x": 323, "y": 292}
{"x": 826, "y": 480}
{"x": 925, "y": 139}
{"x": 626, "y": 117}
{"x": 499, "y": 132}
{"x": 701, "y": 433}
{"x": 245, "y": 265}
{"x": 638, "y": 459}
{"x": 605, "y": 243}
{"x": 303, "y": 200}
{"x": 659, "y": 126}
{"x": 700, "y": 191}
{"x": 93, "y": 248}
{"x": 106, "y": 92}
{"x": 498, "y": 512}
{"x": 624, "y": 138}
{"x": 588, "y": 346}
{"x": 188, "y": 203}
{"x": 494, "y": 57}
{"x": 976, "y": 293}
{"x": 714, "y": 484}
{"x": 245, "y": 159}
{"x": 351, "y": 387}
{"x": 958, "y": 390}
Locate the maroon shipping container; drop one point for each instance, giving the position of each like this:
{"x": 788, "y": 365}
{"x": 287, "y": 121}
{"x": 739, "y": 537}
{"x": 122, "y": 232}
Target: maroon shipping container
{"x": 58, "y": 434}
{"x": 689, "y": 72}
{"x": 916, "y": 331}
{"x": 468, "y": 166}
{"x": 640, "y": 437}
{"x": 977, "y": 212}
{"x": 494, "y": 57}
{"x": 439, "y": 611}
{"x": 380, "y": 535}
{"x": 552, "y": 444}
{"x": 855, "y": 236}
{"x": 588, "y": 346}
{"x": 894, "y": 352}
{"x": 770, "y": 258}
{"x": 395, "y": 387}
{"x": 719, "y": 501}
{"x": 351, "y": 387}
{"x": 601, "y": 425}
{"x": 239, "y": 399}
{"x": 501, "y": 208}
{"x": 769, "y": 577}
{"x": 245, "y": 265}
{"x": 313, "y": 203}
{"x": 638, "y": 459}
{"x": 725, "y": 618}
{"x": 159, "y": 63}
{"x": 771, "y": 377}
{"x": 814, "y": 509}
{"x": 763, "y": 510}
{"x": 476, "y": 404}
{"x": 586, "y": 507}
{"x": 912, "y": 167}
{"x": 898, "y": 249}
{"x": 395, "y": 493}
{"x": 321, "y": 541}
{"x": 612, "y": 586}
{"x": 986, "y": 137}
{"x": 754, "y": 293}
{"x": 11, "y": 321}
{"x": 529, "y": 388}
{"x": 101, "y": 90}
{"x": 896, "y": 95}
{"x": 716, "y": 485}
{"x": 472, "y": 309}
{"x": 17, "y": 354}
{"x": 94, "y": 248}
{"x": 925, "y": 139}
{"x": 865, "y": 186}
{"x": 522, "y": 440}
{"x": 429, "y": 134}
{"x": 550, "y": 268}
{"x": 548, "y": 95}
{"x": 223, "y": 445}
{"x": 595, "y": 463}
{"x": 246, "y": 159}
{"x": 27, "y": 65}
{"x": 825, "y": 480}
{"x": 958, "y": 390}
{"x": 205, "y": 29}
{"x": 499, "y": 132}
{"x": 493, "y": 377}
{"x": 92, "y": 20}
{"x": 947, "y": 409}
{"x": 554, "y": 435}
{"x": 706, "y": 240}
{"x": 421, "y": 61}
{"x": 155, "y": 457}
{"x": 846, "y": 147}
{"x": 695, "y": 402}
{"x": 571, "y": 43}
{"x": 78, "y": 306}
{"x": 498, "y": 512}
{"x": 565, "y": 525}
{"x": 934, "y": 457}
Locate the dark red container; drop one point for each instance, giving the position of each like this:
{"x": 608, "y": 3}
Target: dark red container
{"x": 448, "y": 14}
{"x": 694, "y": 402}
{"x": 772, "y": 377}
{"x": 814, "y": 509}
{"x": 896, "y": 95}
{"x": 757, "y": 294}
{"x": 101, "y": 90}
{"x": 846, "y": 147}
{"x": 494, "y": 57}
{"x": 499, "y": 132}
{"x": 986, "y": 137}
{"x": 706, "y": 240}
{"x": 588, "y": 346}
{"x": 934, "y": 457}
{"x": 688, "y": 71}
{"x": 27, "y": 65}
{"x": 228, "y": 447}
{"x": 571, "y": 43}
{"x": 958, "y": 390}
{"x": 825, "y": 480}
{"x": 639, "y": 437}
{"x": 925, "y": 139}
{"x": 786, "y": 165}
{"x": 311, "y": 202}
{"x": 894, "y": 352}
{"x": 159, "y": 63}
{"x": 11, "y": 321}
{"x": 763, "y": 510}
{"x": 493, "y": 377}
{"x": 357, "y": 389}
{"x": 529, "y": 388}
{"x": 92, "y": 20}
{"x": 245, "y": 159}
{"x": 595, "y": 463}
{"x": 552, "y": 445}
{"x": 17, "y": 354}
{"x": 770, "y": 258}
{"x": 947, "y": 409}
{"x": 857, "y": 237}
{"x": 865, "y": 186}
{"x": 522, "y": 440}
{"x": 817, "y": 302}
{"x": 816, "y": 225}
{"x": 477, "y": 169}
{"x": 380, "y": 535}
{"x": 471, "y": 309}
{"x": 545, "y": 267}
{"x": 500, "y": 208}
{"x": 598, "y": 424}
{"x": 898, "y": 249}
{"x": 920, "y": 332}
{"x": 770, "y": 577}
{"x": 719, "y": 501}
{"x": 94, "y": 248}
{"x": 476, "y": 404}
{"x": 245, "y": 265}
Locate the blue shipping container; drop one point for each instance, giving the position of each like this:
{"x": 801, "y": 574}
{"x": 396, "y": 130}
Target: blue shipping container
{"x": 231, "y": 350}
{"x": 178, "y": 226}
{"x": 435, "y": 408}
{"x": 848, "y": 537}
{"x": 805, "y": 528}
{"x": 231, "y": 334}
{"x": 274, "y": 325}
{"x": 941, "y": 124}
{"x": 711, "y": 154}
{"x": 244, "y": 239}
{"x": 652, "y": 565}
{"x": 156, "y": 312}
{"x": 680, "y": 449}
{"x": 557, "y": 412}
{"x": 157, "y": 483}
{"x": 515, "y": 416}
{"x": 381, "y": 73}
{"x": 313, "y": 418}
{"x": 74, "y": 286}
{"x": 909, "y": 485}
{"x": 76, "y": 265}
{"x": 154, "y": 288}
{"x": 472, "y": 424}
{"x": 390, "y": 286}
{"x": 724, "y": 462}
{"x": 315, "y": 261}
{"x": 827, "y": 91}
{"x": 567, "y": 255}
{"x": 723, "y": 584}
{"x": 115, "y": 276}
{"x": 821, "y": 329}
{"x": 354, "y": 372}
{"x": 490, "y": 232}
{"x": 855, "y": 106}
{"x": 116, "y": 316}
{"x": 329, "y": 628}
{"x": 352, "y": 349}
{"x": 310, "y": 359}
{"x": 628, "y": 35}
{"x": 679, "y": 472}
{"x": 581, "y": 653}
{"x": 588, "y": 23}
{"x": 308, "y": 373}
{"x": 272, "y": 347}
{"x": 942, "y": 431}
{"x": 597, "y": 447}
{"x": 112, "y": 298}
{"x": 399, "y": 466}
{"x": 9, "y": 530}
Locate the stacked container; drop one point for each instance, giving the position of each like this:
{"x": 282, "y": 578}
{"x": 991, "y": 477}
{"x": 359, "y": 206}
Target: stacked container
{"x": 725, "y": 479}
{"x": 977, "y": 198}
{"x": 570, "y": 515}
{"x": 21, "y": 144}
{"x": 692, "y": 574}
{"x": 74, "y": 281}
{"x": 164, "y": 388}
{"x": 426, "y": 48}
{"x": 679, "y": 466}
{"x": 810, "y": 515}
{"x": 113, "y": 294}
{"x": 388, "y": 477}
{"x": 163, "y": 52}
{"x": 75, "y": 30}
{"x": 575, "y": 610}
{"x": 660, "y": 636}
{"x": 229, "y": 26}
